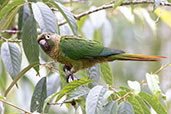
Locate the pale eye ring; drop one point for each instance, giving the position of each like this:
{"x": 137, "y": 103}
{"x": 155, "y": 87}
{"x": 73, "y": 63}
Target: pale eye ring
{"x": 47, "y": 37}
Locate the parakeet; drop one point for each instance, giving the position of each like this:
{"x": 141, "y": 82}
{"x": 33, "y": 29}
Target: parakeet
{"x": 79, "y": 53}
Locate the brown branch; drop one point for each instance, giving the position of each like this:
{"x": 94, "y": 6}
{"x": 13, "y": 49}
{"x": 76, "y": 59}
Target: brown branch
{"x": 110, "y": 5}
{"x": 6, "y": 102}
{"x": 10, "y": 40}
{"x": 126, "y": 95}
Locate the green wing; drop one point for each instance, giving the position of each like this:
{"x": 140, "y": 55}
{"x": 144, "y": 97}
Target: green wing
{"x": 79, "y": 48}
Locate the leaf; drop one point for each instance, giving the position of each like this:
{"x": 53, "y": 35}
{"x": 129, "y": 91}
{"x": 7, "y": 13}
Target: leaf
{"x": 125, "y": 108}
{"x": 62, "y": 74}
{"x": 94, "y": 100}
{"x": 20, "y": 75}
{"x": 135, "y": 104}
{"x": 135, "y": 85}
{"x": 67, "y": 15}
{"x": 78, "y": 93}
{"x": 10, "y": 7}
{"x": 39, "y": 96}
{"x": 7, "y": 20}
{"x": 24, "y": 13}
{"x": 11, "y": 57}
{"x": 165, "y": 15}
{"x": 153, "y": 84}
{"x": 143, "y": 105}
{"x": 71, "y": 86}
{"x": 169, "y": 1}
{"x": 156, "y": 4}
{"x": 110, "y": 108}
{"x": 94, "y": 74}
{"x": 106, "y": 73}
{"x": 3, "y": 77}
{"x": 44, "y": 17}
{"x": 29, "y": 40}
{"x": 155, "y": 104}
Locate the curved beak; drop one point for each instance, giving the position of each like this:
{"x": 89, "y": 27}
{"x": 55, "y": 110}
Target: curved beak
{"x": 42, "y": 42}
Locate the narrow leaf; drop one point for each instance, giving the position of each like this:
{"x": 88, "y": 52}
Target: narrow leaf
{"x": 110, "y": 108}
{"x": 20, "y": 75}
{"x": 106, "y": 73}
{"x": 67, "y": 15}
{"x": 3, "y": 77}
{"x": 11, "y": 57}
{"x": 9, "y": 7}
{"x": 153, "y": 103}
{"x": 71, "y": 86}
{"x": 39, "y": 96}
{"x": 125, "y": 108}
{"x": 94, "y": 74}
{"x": 94, "y": 101}
{"x": 44, "y": 17}
{"x": 29, "y": 40}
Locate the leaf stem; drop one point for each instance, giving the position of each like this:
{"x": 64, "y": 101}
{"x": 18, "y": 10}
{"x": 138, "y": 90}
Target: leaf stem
{"x": 126, "y": 95}
{"x": 6, "y": 102}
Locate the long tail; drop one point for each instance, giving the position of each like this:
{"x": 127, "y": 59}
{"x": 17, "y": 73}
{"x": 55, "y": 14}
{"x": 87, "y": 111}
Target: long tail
{"x": 135, "y": 57}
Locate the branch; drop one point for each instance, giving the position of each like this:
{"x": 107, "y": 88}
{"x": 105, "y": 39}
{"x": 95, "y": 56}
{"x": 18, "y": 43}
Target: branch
{"x": 126, "y": 95}
{"x": 10, "y": 40}
{"x": 11, "y": 31}
{"x": 6, "y": 102}
{"x": 110, "y": 5}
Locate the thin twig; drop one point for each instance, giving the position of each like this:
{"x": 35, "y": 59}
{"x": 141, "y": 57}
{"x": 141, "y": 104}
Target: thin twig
{"x": 11, "y": 31}
{"x": 126, "y": 95}
{"x": 6, "y": 102}
{"x": 10, "y": 40}
{"x": 110, "y": 5}
{"x": 162, "y": 68}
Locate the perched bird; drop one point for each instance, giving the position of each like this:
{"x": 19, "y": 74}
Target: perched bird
{"x": 78, "y": 53}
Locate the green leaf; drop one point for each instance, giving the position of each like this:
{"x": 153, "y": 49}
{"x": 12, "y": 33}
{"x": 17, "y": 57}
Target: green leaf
{"x": 143, "y": 105}
{"x": 135, "y": 85}
{"x": 24, "y": 13}
{"x": 8, "y": 19}
{"x": 135, "y": 104}
{"x": 71, "y": 86}
{"x": 3, "y": 77}
{"x": 169, "y": 1}
{"x": 10, "y": 7}
{"x": 11, "y": 57}
{"x": 44, "y": 17}
{"x": 67, "y": 15}
{"x": 125, "y": 108}
{"x": 94, "y": 100}
{"x": 153, "y": 84}
{"x": 39, "y": 96}
{"x": 117, "y": 3}
{"x": 106, "y": 73}
{"x": 155, "y": 104}
{"x": 20, "y": 75}
{"x": 78, "y": 93}
{"x": 29, "y": 40}
{"x": 62, "y": 74}
{"x": 110, "y": 108}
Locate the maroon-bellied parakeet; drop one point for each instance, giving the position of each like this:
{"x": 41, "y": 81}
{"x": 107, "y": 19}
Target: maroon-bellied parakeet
{"x": 79, "y": 53}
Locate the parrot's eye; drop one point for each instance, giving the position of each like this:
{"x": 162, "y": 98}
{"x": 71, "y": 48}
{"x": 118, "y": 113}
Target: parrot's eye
{"x": 47, "y": 37}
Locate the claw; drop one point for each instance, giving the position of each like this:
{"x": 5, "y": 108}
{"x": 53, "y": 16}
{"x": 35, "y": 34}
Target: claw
{"x": 66, "y": 68}
{"x": 71, "y": 74}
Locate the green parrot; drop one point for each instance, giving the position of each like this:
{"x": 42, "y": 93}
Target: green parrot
{"x": 78, "y": 53}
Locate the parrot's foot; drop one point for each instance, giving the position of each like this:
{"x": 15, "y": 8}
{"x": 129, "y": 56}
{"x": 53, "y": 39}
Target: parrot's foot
{"x": 71, "y": 74}
{"x": 66, "y": 68}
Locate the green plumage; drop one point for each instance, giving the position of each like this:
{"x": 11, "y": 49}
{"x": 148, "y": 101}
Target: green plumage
{"x": 80, "y": 53}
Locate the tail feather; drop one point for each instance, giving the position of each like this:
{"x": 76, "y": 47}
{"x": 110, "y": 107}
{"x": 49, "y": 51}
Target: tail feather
{"x": 136, "y": 57}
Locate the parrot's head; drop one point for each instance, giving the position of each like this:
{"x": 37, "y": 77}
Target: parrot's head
{"x": 48, "y": 41}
